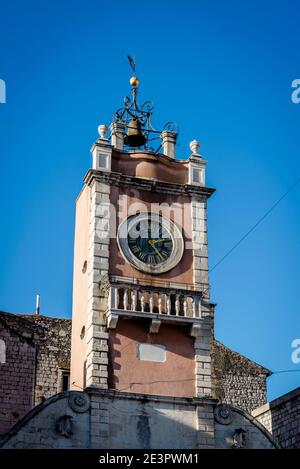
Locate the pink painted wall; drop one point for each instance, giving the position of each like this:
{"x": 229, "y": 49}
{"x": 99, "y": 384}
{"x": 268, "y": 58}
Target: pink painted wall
{"x": 183, "y": 272}
{"x": 80, "y": 290}
{"x": 151, "y": 166}
{"x": 174, "y": 377}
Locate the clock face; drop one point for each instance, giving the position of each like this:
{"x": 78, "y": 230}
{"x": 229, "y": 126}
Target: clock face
{"x": 150, "y": 242}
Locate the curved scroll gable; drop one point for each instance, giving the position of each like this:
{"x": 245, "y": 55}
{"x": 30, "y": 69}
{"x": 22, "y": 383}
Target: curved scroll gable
{"x": 41, "y": 427}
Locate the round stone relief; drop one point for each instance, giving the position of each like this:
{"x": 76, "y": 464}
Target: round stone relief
{"x": 222, "y": 414}
{"x": 79, "y": 401}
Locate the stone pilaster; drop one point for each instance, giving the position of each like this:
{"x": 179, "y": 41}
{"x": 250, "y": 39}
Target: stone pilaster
{"x": 203, "y": 380}
{"x": 199, "y": 245}
{"x": 205, "y": 426}
{"x": 99, "y": 422}
{"x": 98, "y": 263}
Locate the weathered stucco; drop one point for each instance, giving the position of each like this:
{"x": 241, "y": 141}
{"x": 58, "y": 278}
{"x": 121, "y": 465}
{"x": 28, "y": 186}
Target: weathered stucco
{"x": 174, "y": 377}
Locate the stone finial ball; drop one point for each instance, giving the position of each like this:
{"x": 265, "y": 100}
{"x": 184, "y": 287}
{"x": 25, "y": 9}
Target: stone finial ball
{"x": 134, "y": 81}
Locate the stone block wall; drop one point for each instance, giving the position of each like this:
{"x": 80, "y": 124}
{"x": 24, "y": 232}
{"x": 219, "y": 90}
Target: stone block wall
{"x": 35, "y": 353}
{"x": 17, "y": 376}
{"x": 53, "y": 354}
{"x": 281, "y": 417}
{"x": 238, "y": 380}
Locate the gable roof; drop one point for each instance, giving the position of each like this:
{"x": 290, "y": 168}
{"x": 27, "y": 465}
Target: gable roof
{"x": 233, "y": 362}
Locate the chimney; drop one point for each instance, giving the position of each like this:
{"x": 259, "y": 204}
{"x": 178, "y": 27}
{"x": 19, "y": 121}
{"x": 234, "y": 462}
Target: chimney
{"x": 117, "y": 135}
{"x": 37, "y": 307}
{"x": 169, "y": 143}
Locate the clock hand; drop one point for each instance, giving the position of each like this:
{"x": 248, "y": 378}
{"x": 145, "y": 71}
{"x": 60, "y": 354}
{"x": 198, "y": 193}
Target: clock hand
{"x": 154, "y": 241}
{"x": 155, "y": 249}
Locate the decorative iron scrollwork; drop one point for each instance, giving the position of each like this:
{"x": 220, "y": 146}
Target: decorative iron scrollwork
{"x": 171, "y": 127}
{"x": 140, "y": 118}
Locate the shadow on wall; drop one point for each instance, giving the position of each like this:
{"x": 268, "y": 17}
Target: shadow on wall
{"x": 110, "y": 419}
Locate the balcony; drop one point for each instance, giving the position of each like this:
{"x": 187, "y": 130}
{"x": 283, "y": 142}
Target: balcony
{"x": 157, "y": 304}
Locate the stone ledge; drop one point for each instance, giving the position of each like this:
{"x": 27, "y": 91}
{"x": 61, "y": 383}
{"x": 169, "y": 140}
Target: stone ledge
{"x": 276, "y": 402}
{"x": 112, "y": 316}
{"x": 187, "y": 401}
{"x": 152, "y": 185}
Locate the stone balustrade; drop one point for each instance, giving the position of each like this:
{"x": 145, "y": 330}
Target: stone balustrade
{"x": 155, "y": 300}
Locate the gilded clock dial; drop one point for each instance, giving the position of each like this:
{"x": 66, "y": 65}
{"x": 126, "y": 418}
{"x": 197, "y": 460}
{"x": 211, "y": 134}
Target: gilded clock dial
{"x": 150, "y": 242}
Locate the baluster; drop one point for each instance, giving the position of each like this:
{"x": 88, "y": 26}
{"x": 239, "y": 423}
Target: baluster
{"x": 159, "y": 304}
{"x": 125, "y": 299}
{"x": 133, "y": 298}
{"x": 185, "y": 306}
{"x": 168, "y": 304}
{"x": 151, "y": 302}
{"x": 195, "y": 304}
{"x": 113, "y": 297}
{"x": 142, "y": 301}
{"x": 177, "y": 305}
{"x": 199, "y": 315}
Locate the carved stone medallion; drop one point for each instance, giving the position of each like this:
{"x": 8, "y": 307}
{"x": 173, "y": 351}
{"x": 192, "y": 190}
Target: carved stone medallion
{"x": 222, "y": 414}
{"x": 79, "y": 401}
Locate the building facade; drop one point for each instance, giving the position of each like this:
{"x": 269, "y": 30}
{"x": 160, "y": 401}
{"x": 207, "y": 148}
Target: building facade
{"x": 35, "y": 356}
{"x": 146, "y": 371}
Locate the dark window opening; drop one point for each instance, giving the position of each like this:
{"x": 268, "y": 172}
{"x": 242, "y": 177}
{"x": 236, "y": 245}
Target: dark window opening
{"x": 65, "y": 382}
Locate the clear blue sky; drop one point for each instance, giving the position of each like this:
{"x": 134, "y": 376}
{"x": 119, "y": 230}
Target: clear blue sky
{"x": 223, "y": 71}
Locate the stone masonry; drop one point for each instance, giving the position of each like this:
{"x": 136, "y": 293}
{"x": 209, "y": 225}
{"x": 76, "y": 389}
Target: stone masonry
{"x": 98, "y": 265}
{"x": 102, "y": 419}
{"x": 204, "y": 336}
{"x": 97, "y": 348}
{"x": 53, "y": 355}
{"x": 17, "y": 375}
{"x": 281, "y": 417}
{"x": 37, "y": 352}
{"x": 238, "y": 380}
{"x": 38, "y": 349}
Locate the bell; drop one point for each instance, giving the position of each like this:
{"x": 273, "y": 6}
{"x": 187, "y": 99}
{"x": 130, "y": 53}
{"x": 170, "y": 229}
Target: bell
{"x": 134, "y": 137}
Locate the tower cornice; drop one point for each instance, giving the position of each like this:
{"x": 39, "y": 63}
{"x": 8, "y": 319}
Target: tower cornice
{"x": 151, "y": 185}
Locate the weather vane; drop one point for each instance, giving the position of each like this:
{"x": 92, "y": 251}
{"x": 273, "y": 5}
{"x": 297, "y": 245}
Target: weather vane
{"x": 131, "y": 63}
{"x": 138, "y": 119}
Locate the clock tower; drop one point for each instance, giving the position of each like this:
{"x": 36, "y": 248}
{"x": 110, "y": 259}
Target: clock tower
{"x": 142, "y": 317}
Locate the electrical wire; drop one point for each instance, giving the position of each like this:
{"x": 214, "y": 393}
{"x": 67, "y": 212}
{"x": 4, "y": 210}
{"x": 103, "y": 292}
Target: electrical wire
{"x": 256, "y": 224}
